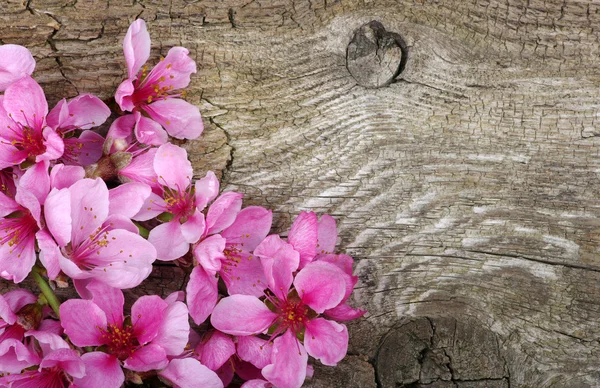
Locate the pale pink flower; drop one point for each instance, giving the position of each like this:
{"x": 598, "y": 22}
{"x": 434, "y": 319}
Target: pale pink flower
{"x": 24, "y": 135}
{"x": 16, "y": 62}
{"x": 95, "y": 239}
{"x": 158, "y": 329}
{"x": 157, "y": 92}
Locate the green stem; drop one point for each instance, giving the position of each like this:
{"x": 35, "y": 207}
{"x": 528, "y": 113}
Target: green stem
{"x": 47, "y": 291}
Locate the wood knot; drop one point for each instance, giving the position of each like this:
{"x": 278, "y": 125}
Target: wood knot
{"x": 375, "y": 56}
{"x": 441, "y": 352}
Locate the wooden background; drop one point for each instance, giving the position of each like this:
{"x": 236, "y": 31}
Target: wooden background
{"x": 466, "y": 189}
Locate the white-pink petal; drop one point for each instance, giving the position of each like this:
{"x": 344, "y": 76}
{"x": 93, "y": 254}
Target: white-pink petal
{"x": 16, "y": 62}
{"x": 190, "y": 373}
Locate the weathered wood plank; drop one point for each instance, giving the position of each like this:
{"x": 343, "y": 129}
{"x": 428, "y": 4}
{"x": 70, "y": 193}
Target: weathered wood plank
{"x": 467, "y": 189}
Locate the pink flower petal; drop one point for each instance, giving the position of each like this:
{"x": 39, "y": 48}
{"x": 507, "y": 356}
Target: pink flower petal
{"x": 47, "y": 341}
{"x": 67, "y": 360}
{"x": 255, "y": 350}
{"x": 173, "y": 333}
{"x": 343, "y": 312}
{"x": 303, "y": 236}
{"x": 153, "y": 206}
{"x": 147, "y": 358}
{"x": 136, "y": 47}
{"x": 10, "y": 155}
{"x": 202, "y": 294}
{"x": 54, "y": 144}
{"x": 327, "y": 234}
{"x": 215, "y": 350}
{"x": 169, "y": 241}
{"x": 249, "y": 229}
{"x": 36, "y": 180}
{"x": 89, "y": 207}
{"x": 62, "y": 176}
{"x": 242, "y": 315}
{"x": 109, "y": 299}
{"x": 7, "y": 205}
{"x": 25, "y": 101}
{"x": 257, "y": 383}
{"x": 57, "y": 212}
{"x": 209, "y": 253}
{"x": 6, "y": 312}
{"x": 141, "y": 169}
{"x": 49, "y": 253}
{"x": 127, "y": 199}
{"x": 101, "y": 371}
{"x": 85, "y": 150}
{"x": 326, "y": 340}
{"x": 19, "y": 298}
{"x": 16, "y": 265}
{"x": 243, "y": 274}
{"x": 147, "y": 314}
{"x": 16, "y": 62}
{"x": 279, "y": 260}
{"x": 320, "y": 285}
{"x": 189, "y": 373}
{"x": 173, "y": 167}
{"x": 343, "y": 262}
{"x": 194, "y": 227}
{"x": 14, "y": 356}
{"x": 175, "y": 69}
{"x": 207, "y": 189}
{"x": 82, "y": 112}
{"x": 289, "y": 360}
{"x": 223, "y": 211}
{"x": 82, "y": 321}
{"x": 126, "y": 261}
{"x": 123, "y": 95}
{"x": 149, "y": 132}
{"x": 181, "y": 119}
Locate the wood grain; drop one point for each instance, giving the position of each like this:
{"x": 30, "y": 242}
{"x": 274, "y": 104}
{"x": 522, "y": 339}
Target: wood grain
{"x": 467, "y": 189}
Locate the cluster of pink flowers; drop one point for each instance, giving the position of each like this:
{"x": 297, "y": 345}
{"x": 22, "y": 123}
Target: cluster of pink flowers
{"x": 99, "y": 210}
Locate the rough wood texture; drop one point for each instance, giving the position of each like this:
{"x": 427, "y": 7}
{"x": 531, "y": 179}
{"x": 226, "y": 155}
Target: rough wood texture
{"x": 467, "y": 189}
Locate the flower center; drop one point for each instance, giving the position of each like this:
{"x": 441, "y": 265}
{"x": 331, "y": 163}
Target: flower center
{"x": 29, "y": 141}
{"x": 17, "y": 229}
{"x": 180, "y": 203}
{"x": 293, "y": 315}
{"x": 120, "y": 341}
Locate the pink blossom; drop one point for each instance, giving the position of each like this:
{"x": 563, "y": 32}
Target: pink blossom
{"x": 79, "y": 114}
{"x": 16, "y": 62}
{"x": 157, "y": 329}
{"x": 20, "y": 226}
{"x": 24, "y": 135}
{"x": 58, "y": 364}
{"x": 319, "y": 286}
{"x": 228, "y": 254}
{"x": 157, "y": 92}
{"x": 92, "y": 242}
{"x": 184, "y": 202}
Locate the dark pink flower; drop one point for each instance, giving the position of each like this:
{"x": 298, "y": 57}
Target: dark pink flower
{"x": 157, "y": 92}
{"x": 79, "y": 114}
{"x": 58, "y": 366}
{"x": 319, "y": 286}
{"x": 229, "y": 255}
{"x": 157, "y": 329}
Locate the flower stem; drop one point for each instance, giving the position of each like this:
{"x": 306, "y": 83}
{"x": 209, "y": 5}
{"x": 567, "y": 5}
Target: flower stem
{"x": 47, "y": 291}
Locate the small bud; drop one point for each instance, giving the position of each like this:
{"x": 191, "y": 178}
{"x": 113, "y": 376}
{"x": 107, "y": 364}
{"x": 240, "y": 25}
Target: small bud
{"x": 30, "y": 316}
